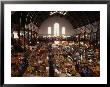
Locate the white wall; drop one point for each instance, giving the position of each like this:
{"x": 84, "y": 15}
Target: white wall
{"x": 50, "y": 23}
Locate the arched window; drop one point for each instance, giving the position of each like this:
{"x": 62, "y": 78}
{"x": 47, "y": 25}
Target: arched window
{"x": 56, "y": 29}
{"x": 63, "y": 30}
{"x": 49, "y": 30}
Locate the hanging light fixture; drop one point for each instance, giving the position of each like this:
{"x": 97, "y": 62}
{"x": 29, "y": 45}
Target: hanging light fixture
{"x": 59, "y": 12}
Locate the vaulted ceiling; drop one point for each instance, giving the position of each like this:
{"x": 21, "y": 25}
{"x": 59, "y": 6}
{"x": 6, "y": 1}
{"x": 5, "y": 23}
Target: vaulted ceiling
{"x": 76, "y": 18}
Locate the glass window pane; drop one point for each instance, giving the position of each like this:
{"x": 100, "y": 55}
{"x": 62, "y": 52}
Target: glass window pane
{"x": 56, "y": 29}
{"x": 49, "y": 30}
{"x": 63, "y": 30}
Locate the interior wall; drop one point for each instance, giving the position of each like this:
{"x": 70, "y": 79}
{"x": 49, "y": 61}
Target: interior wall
{"x": 50, "y": 23}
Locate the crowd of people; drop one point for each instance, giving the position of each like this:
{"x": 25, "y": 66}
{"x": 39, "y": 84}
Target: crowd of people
{"x": 37, "y": 63}
{"x": 66, "y": 61}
